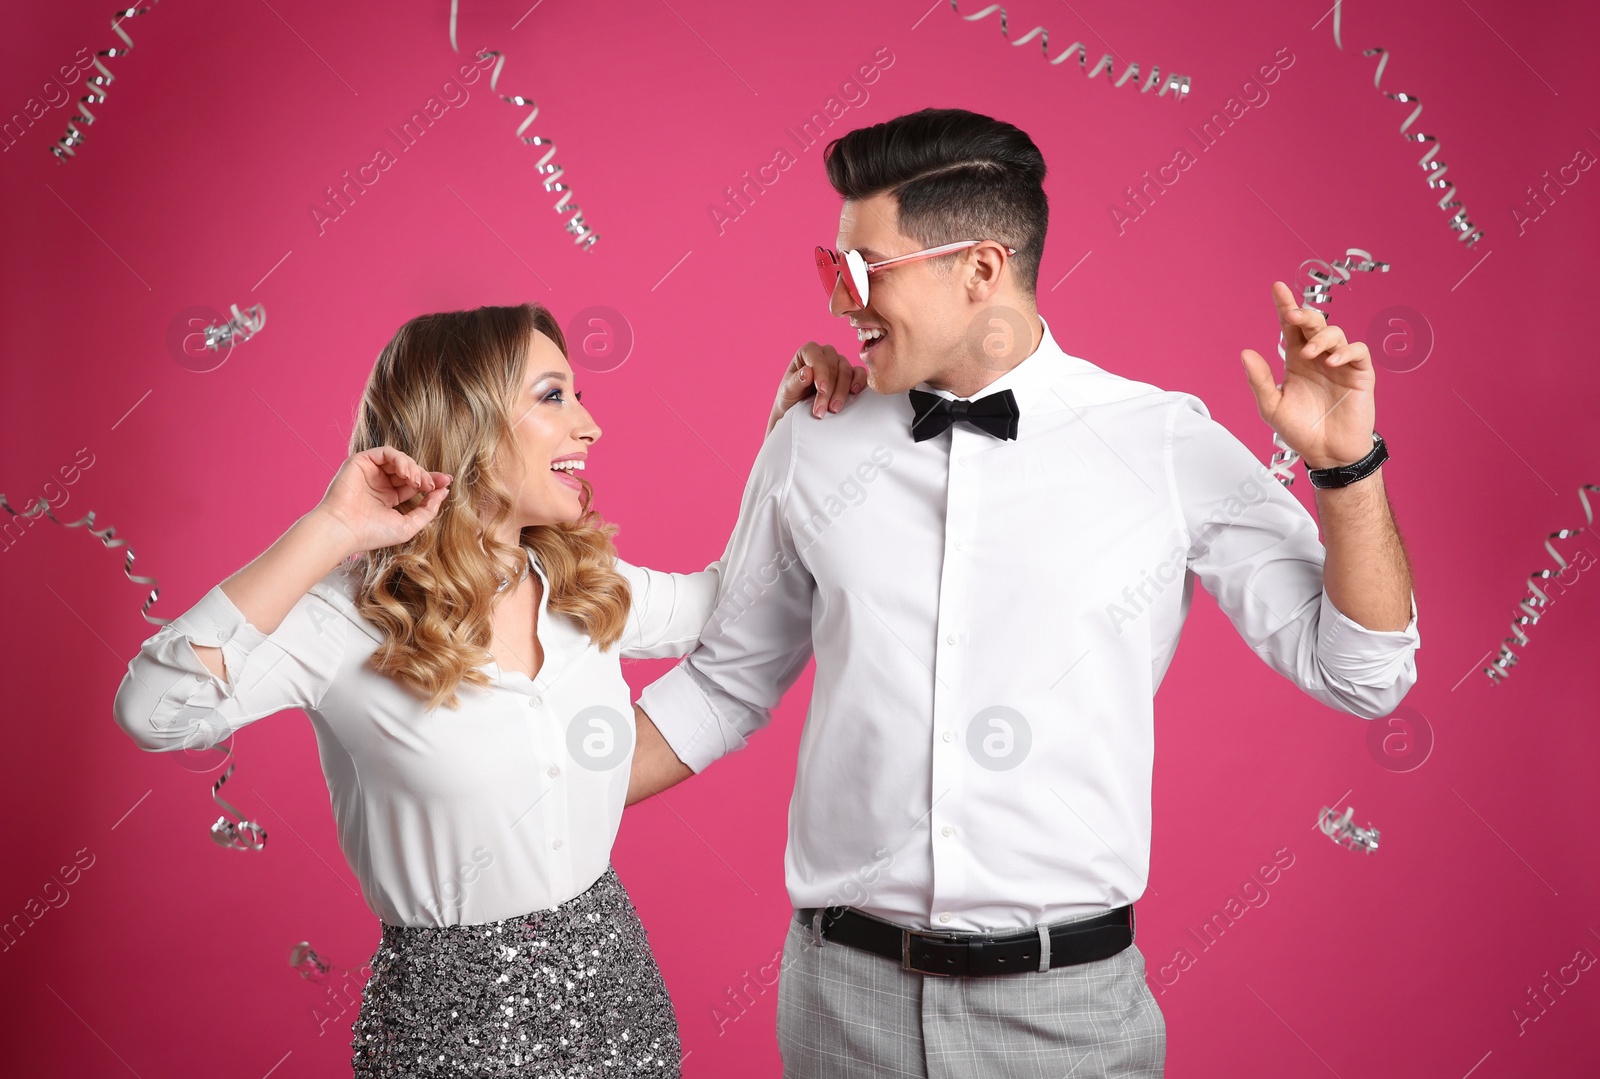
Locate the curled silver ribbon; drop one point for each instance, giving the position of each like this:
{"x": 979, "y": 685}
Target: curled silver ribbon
{"x": 95, "y": 87}
{"x": 240, "y": 834}
{"x": 1531, "y": 606}
{"x": 1178, "y": 84}
{"x": 1341, "y": 831}
{"x": 307, "y": 963}
{"x": 241, "y": 327}
{"x": 105, "y": 537}
{"x": 1435, "y": 170}
{"x": 545, "y": 166}
{"x": 313, "y": 968}
{"x": 1284, "y": 458}
{"x": 1318, "y": 291}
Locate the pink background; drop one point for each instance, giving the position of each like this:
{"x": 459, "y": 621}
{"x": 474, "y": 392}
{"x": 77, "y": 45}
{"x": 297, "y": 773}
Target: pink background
{"x": 224, "y": 126}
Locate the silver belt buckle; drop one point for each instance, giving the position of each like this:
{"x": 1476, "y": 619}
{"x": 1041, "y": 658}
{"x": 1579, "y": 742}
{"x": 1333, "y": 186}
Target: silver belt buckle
{"x": 905, "y": 949}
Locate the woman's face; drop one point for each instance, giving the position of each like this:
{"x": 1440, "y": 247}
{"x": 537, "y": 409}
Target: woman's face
{"x": 550, "y": 426}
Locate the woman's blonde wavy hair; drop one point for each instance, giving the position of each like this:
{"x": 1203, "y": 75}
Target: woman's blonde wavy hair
{"x": 444, "y": 391}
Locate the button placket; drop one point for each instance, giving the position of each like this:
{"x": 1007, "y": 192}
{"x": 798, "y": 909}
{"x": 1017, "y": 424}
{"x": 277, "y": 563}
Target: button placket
{"x": 950, "y": 663}
{"x": 552, "y": 740}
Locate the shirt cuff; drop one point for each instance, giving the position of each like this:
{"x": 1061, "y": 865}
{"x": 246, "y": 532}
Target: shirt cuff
{"x": 1366, "y": 657}
{"x": 686, "y": 718}
{"x": 217, "y": 622}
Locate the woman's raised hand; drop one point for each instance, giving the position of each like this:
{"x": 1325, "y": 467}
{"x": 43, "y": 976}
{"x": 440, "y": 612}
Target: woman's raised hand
{"x": 821, "y": 373}
{"x": 368, "y": 487}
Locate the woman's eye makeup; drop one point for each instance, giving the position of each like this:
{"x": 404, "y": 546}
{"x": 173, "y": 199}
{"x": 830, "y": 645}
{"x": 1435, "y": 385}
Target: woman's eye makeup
{"x": 558, "y": 391}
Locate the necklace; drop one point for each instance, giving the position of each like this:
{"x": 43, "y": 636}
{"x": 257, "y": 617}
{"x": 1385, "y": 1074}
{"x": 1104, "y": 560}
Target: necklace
{"x": 505, "y": 582}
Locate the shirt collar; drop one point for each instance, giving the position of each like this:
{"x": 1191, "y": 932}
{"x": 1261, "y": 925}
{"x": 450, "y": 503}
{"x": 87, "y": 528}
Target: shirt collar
{"x": 561, "y": 638}
{"x": 1029, "y": 380}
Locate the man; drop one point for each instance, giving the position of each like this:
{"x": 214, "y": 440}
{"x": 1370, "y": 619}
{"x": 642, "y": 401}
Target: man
{"x": 991, "y": 557}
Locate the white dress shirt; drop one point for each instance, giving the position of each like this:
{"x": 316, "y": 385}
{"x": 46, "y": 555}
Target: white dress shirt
{"x": 990, "y": 620}
{"x": 507, "y": 805}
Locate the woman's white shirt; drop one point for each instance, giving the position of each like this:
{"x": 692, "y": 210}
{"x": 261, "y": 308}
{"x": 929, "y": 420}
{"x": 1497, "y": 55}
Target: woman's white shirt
{"x": 506, "y": 805}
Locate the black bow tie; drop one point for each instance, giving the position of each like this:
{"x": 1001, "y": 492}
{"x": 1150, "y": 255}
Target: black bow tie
{"x": 931, "y": 414}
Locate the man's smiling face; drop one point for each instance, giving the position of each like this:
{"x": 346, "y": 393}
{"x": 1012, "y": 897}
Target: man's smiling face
{"x": 914, "y": 321}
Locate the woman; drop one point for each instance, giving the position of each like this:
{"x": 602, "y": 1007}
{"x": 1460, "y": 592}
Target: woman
{"x": 474, "y": 726}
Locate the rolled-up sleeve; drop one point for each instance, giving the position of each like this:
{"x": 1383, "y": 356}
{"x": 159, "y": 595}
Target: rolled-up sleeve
{"x": 667, "y": 610}
{"x": 758, "y": 638}
{"x": 169, "y": 699}
{"x": 1368, "y": 657}
{"x": 1256, "y": 549}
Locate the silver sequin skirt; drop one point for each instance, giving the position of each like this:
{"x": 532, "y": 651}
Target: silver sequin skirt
{"x": 573, "y": 991}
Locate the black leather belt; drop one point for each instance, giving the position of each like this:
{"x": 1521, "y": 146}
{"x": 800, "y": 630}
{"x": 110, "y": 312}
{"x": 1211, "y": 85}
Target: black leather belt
{"x": 975, "y": 954}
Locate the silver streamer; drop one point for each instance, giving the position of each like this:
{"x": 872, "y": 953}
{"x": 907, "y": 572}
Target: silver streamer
{"x": 236, "y": 834}
{"x": 239, "y": 834}
{"x": 1532, "y": 605}
{"x": 241, "y": 327}
{"x": 106, "y": 538}
{"x": 341, "y": 988}
{"x": 307, "y": 963}
{"x": 1341, "y": 831}
{"x": 545, "y": 166}
{"x": 1178, "y": 84}
{"x": 1318, "y": 292}
{"x": 95, "y": 86}
{"x": 1284, "y": 458}
{"x": 1434, "y": 169}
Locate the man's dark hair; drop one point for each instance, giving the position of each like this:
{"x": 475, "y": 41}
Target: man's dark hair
{"x": 956, "y": 175}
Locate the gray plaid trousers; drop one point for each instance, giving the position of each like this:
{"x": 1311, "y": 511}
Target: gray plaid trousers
{"x": 844, "y": 1013}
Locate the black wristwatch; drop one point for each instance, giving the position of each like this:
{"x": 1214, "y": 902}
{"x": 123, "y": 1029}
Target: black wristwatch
{"x": 1344, "y": 475}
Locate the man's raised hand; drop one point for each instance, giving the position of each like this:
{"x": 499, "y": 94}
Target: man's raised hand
{"x": 1323, "y": 410}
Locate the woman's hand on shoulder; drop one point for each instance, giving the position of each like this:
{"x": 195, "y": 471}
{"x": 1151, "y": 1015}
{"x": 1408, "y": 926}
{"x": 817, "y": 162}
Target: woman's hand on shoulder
{"x": 368, "y": 487}
{"x": 821, "y": 373}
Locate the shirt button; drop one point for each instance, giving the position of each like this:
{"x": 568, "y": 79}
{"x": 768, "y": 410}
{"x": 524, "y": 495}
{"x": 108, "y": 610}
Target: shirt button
{"x": 950, "y": 639}
{"x": 224, "y": 634}
{"x": 555, "y": 844}
{"x": 960, "y": 546}
{"x": 949, "y": 736}
{"x": 945, "y": 917}
{"x": 553, "y": 771}
{"x": 536, "y": 702}
{"x": 947, "y": 830}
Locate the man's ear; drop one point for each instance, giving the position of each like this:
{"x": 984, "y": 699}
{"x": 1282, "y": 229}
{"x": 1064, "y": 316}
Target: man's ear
{"x": 985, "y": 266}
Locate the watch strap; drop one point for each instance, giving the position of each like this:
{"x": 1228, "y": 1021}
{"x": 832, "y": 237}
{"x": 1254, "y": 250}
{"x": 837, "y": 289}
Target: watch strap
{"x": 1344, "y": 475}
